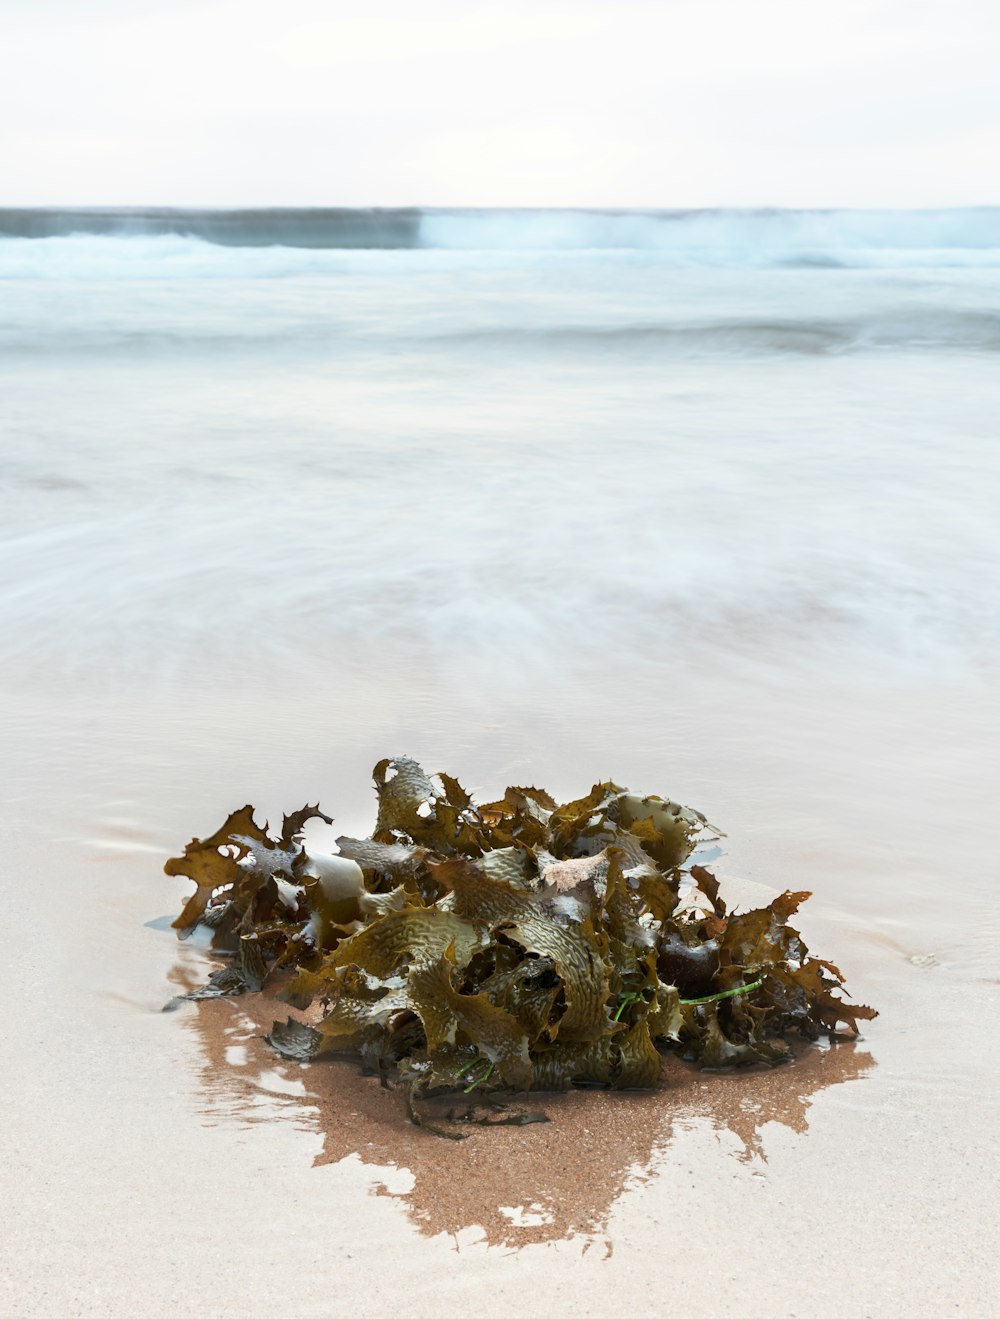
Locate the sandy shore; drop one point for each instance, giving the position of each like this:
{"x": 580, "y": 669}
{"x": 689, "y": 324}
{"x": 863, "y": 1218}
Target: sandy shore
{"x": 170, "y": 1164}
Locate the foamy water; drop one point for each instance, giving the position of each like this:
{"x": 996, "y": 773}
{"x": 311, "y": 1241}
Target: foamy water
{"x": 501, "y": 435}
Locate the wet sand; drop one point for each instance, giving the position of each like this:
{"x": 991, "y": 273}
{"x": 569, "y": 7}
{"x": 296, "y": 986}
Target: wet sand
{"x": 170, "y": 1164}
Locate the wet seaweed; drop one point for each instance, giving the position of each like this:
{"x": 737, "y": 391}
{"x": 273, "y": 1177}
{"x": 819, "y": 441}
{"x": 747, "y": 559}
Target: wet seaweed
{"x": 504, "y": 947}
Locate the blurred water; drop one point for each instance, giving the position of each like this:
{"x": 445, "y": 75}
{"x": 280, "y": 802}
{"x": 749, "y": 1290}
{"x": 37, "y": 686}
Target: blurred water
{"x": 500, "y": 457}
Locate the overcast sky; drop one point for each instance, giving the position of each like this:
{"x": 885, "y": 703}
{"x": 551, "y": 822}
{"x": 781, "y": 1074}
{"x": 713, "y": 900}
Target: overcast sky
{"x": 620, "y": 103}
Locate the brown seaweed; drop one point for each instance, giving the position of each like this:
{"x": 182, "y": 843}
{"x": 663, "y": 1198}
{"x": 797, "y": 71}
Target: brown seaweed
{"x": 511, "y": 946}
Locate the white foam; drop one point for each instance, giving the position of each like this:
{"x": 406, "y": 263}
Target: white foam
{"x": 446, "y": 240}
{"x": 733, "y": 238}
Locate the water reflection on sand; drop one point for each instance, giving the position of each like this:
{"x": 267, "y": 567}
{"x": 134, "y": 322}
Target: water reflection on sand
{"x": 509, "y": 1186}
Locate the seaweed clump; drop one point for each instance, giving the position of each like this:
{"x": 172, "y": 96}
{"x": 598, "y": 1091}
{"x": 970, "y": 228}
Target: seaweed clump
{"x": 514, "y": 945}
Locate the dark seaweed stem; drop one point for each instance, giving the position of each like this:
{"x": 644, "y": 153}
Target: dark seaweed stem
{"x": 419, "y": 1121}
{"x": 512, "y": 945}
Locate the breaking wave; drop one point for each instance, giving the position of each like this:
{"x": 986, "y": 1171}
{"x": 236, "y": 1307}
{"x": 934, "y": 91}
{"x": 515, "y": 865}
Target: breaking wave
{"x": 297, "y": 241}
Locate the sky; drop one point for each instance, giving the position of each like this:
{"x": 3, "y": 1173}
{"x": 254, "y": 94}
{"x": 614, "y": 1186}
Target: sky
{"x": 654, "y": 103}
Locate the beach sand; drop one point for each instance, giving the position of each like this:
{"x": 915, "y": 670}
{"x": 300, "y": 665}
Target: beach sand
{"x": 171, "y": 1164}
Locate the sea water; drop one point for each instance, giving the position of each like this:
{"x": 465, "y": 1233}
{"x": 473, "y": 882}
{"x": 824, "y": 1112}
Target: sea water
{"x": 504, "y": 437}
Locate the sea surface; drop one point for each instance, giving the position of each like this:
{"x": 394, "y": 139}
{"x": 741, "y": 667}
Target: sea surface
{"x": 500, "y": 434}
{"x": 706, "y": 502}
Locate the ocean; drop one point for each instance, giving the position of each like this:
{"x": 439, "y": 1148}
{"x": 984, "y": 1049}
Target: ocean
{"x": 704, "y": 502}
{"x": 503, "y": 436}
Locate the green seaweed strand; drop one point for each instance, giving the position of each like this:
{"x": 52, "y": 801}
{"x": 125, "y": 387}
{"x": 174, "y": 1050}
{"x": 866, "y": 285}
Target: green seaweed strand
{"x": 726, "y": 993}
{"x": 626, "y": 1000}
{"x": 480, "y": 1079}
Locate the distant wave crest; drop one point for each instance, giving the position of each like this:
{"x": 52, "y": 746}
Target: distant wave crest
{"x": 959, "y": 237}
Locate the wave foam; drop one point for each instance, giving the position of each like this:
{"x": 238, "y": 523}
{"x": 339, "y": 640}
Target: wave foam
{"x": 107, "y": 244}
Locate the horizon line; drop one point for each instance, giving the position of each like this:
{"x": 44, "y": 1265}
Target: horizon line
{"x": 413, "y": 207}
